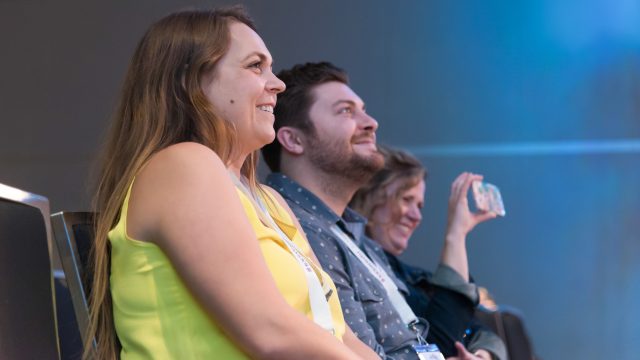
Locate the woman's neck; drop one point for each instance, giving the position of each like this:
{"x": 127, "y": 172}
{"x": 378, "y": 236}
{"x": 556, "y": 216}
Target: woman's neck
{"x": 235, "y": 166}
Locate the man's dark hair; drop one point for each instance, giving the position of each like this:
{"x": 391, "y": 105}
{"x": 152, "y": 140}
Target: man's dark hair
{"x": 292, "y": 108}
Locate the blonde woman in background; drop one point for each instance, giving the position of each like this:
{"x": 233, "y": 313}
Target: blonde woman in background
{"x": 392, "y": 202}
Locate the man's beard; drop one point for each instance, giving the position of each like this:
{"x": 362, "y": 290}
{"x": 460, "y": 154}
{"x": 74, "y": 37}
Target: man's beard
{"x": 337, "y": 158}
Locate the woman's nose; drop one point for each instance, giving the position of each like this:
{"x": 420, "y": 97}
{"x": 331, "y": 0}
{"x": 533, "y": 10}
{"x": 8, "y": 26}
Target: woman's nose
{"x": 415, "y": 214}
{"x": 275, "y": 85}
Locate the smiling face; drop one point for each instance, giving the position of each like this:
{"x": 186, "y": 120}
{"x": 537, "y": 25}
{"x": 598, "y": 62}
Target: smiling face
{"x": 393, "y": 223}
{"x": 343, "y": 139}
{"x": 243, "y": 89}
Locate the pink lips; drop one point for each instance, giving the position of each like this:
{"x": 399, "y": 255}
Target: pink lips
{"x": 407, "y": 228}
{"x": 270, "y": 102}
{"x": 365, "y": 141}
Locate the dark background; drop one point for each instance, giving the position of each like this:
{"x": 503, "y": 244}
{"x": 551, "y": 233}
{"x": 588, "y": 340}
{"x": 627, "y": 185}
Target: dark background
{"x": 542, "y": 97}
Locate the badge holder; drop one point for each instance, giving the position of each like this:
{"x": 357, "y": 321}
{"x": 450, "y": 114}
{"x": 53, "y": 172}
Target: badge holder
{"x": 425, "y": 350}
{"x": 428, "y": 352}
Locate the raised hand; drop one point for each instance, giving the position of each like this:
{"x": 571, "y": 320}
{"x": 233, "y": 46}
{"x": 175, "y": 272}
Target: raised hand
{"x": 460, "y": 219}
{"x": 459, "y": 223}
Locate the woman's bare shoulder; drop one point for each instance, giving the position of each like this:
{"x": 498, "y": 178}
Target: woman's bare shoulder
{"x": 187, "y": 153}
{"x": 174, "y": 177}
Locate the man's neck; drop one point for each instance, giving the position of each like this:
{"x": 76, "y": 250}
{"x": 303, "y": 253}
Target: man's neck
{"x": 334, "y": 190}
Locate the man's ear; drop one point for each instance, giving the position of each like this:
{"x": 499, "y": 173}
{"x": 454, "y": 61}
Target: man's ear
{"x": 291, "y": 140}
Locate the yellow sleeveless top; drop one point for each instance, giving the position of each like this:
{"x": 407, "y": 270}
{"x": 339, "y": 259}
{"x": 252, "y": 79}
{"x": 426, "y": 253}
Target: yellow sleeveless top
{"x": 157, "y": 317}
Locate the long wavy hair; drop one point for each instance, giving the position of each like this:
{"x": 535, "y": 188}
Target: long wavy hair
{"x": 398, "y": 165}
{"x": 162, "y": 103}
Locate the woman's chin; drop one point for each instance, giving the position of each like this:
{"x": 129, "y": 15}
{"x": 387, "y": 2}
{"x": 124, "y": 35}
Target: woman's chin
{"x": 400, "y": 241}
{"x": 269, "y": 137}
{"x": 265, "y": 139}
{"x": 395, "y": 248}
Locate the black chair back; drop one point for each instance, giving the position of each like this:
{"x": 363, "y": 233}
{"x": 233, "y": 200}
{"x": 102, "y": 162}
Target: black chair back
{"x": 28, "y": 328}
{"x": 508, "y": 324}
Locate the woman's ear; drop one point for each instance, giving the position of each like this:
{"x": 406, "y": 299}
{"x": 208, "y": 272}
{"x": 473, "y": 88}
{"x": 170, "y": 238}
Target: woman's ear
{"x": 291, "y": 140}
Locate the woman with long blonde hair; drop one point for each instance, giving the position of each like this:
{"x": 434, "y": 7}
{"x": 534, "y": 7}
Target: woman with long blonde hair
{"x": 192, "y": 257}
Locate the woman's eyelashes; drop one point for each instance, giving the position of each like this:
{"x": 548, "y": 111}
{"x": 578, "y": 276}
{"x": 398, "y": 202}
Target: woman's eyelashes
{"x": 409, "y": 200}
{"x": 257, "y": 66}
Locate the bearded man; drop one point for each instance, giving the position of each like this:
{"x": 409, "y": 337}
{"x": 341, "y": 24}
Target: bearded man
{"x": 325, "y": 150}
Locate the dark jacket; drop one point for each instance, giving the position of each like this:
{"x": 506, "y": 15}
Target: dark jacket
{"x": 450, "y": 311}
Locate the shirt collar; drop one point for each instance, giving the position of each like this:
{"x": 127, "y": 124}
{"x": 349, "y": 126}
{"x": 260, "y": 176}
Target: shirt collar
{"x": 299, "y": 195}
{"x": 355, "y": 224}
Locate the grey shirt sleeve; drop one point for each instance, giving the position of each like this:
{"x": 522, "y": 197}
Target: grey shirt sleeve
{"x": 488, "y": 340}
{"x": 448, "y": 278}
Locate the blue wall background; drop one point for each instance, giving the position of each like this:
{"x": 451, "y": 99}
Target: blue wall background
{"x": 542, "y": 97}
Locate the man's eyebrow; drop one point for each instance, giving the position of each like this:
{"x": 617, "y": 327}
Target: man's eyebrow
{"x": 339, "y": 102}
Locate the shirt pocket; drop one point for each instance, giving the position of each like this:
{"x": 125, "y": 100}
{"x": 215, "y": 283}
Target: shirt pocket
{"x": 376, "y": 309}
{"x": 369, "y": 289}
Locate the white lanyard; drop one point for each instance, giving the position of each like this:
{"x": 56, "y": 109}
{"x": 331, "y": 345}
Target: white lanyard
{"x": 317, "y": 289}
{"x": 396, "y": 298}
{"x": 424, "y": 350}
